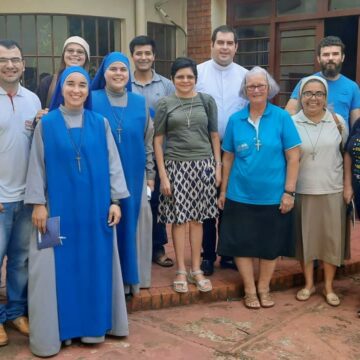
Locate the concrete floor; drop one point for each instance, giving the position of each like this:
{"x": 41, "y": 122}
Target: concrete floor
{"x": 227, "y": 330}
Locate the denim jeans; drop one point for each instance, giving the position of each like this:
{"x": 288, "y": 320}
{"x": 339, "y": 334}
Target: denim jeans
{"x": 15, "y": 232}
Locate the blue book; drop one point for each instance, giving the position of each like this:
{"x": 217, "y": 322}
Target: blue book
{"x": 52, "y": 236}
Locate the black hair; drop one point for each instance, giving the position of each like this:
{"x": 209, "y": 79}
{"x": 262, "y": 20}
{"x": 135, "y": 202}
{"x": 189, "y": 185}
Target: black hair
{"x": 182, "y": 63}
{"x": 331, "y": 41}
{"x": 223, "y": 29}
{"x": 140, "y": 41}
{"x": 10, "y": 44}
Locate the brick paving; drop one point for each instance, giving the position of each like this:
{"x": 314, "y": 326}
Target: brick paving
{"x": 227, "y": 283}
{"x": 226, "y": 330}
{"x": 218, "y": 326}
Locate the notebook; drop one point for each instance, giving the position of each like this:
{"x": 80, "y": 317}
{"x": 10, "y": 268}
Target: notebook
{"x": 52, "y": 236}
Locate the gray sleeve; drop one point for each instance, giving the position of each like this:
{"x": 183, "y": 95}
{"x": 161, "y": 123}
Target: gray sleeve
{"x": 35, "y": 191}
{"x": 160, "y": 117}
{"x": 149, "y": 148}
{"x": 213, "y": 115}
{"x": 117, "y": 179}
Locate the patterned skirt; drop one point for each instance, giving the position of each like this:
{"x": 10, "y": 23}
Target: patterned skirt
{"x": 193, "y": 192}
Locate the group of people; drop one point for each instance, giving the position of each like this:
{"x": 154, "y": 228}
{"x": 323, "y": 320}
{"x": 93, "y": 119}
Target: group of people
{"x": 118, "y": 157}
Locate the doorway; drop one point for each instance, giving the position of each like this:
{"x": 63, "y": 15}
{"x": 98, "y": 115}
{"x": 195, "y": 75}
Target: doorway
{"x": 346, "y": 28}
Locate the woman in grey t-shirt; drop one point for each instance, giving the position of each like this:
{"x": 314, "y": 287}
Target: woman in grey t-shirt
{"x": 187, "y": 150}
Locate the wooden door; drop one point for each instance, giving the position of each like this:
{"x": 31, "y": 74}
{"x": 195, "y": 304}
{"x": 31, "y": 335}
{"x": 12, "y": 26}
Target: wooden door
{"x": 295, "y": 54}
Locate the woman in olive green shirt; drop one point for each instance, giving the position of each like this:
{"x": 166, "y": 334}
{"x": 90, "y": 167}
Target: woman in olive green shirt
{"x": 187, "y": 150}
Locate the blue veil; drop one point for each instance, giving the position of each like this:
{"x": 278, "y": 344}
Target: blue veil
{"x": 58, "y": 99}
{"x": 99, "y": 79}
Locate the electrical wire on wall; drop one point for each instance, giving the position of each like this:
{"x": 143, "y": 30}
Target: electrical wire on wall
{"x": 165, "y": 15}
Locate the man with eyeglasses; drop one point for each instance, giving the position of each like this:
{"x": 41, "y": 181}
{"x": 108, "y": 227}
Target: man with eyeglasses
{"x": 344, "y": 94}
{"x": 221, "y": 78}
{"x": 18, "y": 109}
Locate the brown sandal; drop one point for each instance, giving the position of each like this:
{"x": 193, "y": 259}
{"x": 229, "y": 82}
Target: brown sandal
{"x": 266, "y": 299}
{"x": 251, "y": 301}
{"x": 163, "y": 261}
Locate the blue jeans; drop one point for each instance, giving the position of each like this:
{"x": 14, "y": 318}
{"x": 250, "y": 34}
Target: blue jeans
{"x": 15, "y": 233}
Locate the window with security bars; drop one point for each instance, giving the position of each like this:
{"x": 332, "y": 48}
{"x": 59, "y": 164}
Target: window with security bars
{"x": 253, "y": 46}
{"x": 165, "y": 39}
{"x": 297, "y": 59}
{"x": 42, "y": 38}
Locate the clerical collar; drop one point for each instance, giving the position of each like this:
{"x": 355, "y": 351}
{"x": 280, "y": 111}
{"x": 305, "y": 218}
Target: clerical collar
{"x": 114, "y": 93}
{"x": 220, "y": 67}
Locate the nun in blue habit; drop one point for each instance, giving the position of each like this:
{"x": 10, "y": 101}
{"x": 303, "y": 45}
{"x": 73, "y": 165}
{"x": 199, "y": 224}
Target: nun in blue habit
{"x": 132, "y": 129}
{"x": 75, "y": 289}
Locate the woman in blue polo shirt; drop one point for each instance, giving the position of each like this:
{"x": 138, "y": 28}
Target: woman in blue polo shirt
{"x": 260, "y": 167}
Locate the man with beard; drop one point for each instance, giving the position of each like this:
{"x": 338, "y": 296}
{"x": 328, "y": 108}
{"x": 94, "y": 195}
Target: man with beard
{"x": 344, "y": 94}
{"x": 18, "y": 109}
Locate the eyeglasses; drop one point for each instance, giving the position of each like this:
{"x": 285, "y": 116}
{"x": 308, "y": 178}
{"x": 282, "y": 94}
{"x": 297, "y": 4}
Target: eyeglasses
{"x": 14, "y": 60}
{"x": 251, "y": 88}
{"x": 184, "y": 77}
{"x": 77, "y": 52}
{"x": 310, "y": 94}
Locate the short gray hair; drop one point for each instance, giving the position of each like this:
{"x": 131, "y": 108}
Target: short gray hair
{"x": 272, "y": 85}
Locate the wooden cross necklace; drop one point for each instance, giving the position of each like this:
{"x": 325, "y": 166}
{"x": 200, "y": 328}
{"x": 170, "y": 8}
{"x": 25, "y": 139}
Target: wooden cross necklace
{"x": 77, "y": 147}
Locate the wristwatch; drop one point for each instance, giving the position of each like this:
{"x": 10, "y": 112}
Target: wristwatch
{"x": 291, "y": 193}
{"x": 115, "y": 202}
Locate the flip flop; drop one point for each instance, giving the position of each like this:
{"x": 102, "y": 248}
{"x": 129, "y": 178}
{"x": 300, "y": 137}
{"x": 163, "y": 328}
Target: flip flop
{"x": 163, "y": 261}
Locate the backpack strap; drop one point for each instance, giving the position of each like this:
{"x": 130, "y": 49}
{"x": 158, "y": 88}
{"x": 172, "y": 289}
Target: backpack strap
{"x": 205, "y": 104}
{"x": 337, "y": 122}
{"x": 340, "y": 129}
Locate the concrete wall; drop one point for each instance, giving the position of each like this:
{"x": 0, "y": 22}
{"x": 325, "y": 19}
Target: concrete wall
{"x": 133, "y": 13}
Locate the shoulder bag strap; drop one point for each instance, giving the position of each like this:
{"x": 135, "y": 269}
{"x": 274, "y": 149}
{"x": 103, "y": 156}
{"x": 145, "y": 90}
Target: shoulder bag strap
{"x": 51, "y": 90}
{"x": 340, "y": 128}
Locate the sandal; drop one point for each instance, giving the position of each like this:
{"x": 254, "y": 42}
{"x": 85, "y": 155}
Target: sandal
{"x": 331, "y": 298}
{"x": 251, "y": 301}
{"x": 203, "y": 285}
{"x": 163, "y": 261}
{"x": 304, "y": 294}
{"x": 180, "y": 286}
{"x": 266, "y": 299}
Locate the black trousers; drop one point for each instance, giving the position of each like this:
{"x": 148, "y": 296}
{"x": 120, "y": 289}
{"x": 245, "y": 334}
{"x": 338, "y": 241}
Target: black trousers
{"x": 159, "y": 236}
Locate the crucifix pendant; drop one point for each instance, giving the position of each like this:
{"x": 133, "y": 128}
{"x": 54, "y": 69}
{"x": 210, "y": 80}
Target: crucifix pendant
{"x": 119, "y": 130}
{"x": 257, "y": 144}
{"x": 78, "y": 159}
{"x": 313, "y": 154}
